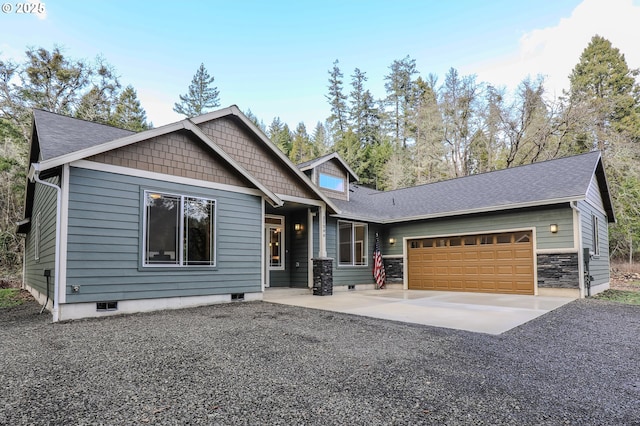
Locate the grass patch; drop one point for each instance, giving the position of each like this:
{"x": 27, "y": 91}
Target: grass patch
{"x": 620, "y": 296}
{"x": 10, "y": 297}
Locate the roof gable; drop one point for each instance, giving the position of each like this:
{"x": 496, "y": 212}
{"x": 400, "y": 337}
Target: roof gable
{"x": 58, "y": 139}
{"x": 329, "y": 158}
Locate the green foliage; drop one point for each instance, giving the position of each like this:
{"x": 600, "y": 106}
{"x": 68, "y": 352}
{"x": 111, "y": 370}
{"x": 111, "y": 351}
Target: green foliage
{"x": 201, "y": 97}
{"x": 9, "y": 297}
{"x": 128, "y": 113}
{"x": 51, "y": 81}
{"x": 620, "y": 296}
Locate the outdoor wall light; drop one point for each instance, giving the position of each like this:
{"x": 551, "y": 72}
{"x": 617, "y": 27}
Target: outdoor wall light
{"x": 392, "y": 241}
{"x": 553, "y": 228}
{"x": 297, "y": 227}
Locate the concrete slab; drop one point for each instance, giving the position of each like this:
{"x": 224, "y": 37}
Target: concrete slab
{"x": 477, "y": 312}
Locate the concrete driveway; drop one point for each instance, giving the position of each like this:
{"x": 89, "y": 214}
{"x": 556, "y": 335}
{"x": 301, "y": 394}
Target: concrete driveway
{"x": 477, "y": 312}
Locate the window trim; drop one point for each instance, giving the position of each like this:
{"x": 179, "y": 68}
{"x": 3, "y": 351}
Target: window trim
{"x": 181, "y": 233}
{"x": 36, "y": 237}
{"x": 595, "y": 235}
{"x": 268, "y": 226}
{"x": 365, "y": 244}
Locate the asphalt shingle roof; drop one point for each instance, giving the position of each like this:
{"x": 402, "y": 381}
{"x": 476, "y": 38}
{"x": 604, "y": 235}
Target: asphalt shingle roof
{"x": 60, "y": 135}
{"x": 538, "y": 183}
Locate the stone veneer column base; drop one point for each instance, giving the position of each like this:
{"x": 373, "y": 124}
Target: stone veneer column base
{"x": 322, "y": 276}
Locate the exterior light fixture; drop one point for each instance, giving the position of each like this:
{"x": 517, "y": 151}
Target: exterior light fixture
{"x": 392, "y": 241}
{"x": 297, "y": 227}
{"x": 553, "y": 228}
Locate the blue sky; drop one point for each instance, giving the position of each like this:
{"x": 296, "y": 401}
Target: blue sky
{"x": 272, "y": 57}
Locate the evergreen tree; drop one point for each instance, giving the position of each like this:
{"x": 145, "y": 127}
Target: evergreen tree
{"x": 337, "y": 100}
{"x": 401, "y": 96}
{"x": 301, "y": 147}
{"x": 128, "y": 113}
{"x": 604, "y": 83}
{"x": 320, "y": 139}
{"x": 280, "y": 135}
{"x": 201, "y": 96}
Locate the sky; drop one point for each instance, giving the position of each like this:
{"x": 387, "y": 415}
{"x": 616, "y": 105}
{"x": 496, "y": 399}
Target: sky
{"x": 273, "y": 57}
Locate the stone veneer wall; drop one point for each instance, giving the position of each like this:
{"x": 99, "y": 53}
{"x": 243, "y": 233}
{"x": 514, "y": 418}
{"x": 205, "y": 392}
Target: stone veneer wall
{"x": 558, "y": 270}
{"x": 394, "y": 269}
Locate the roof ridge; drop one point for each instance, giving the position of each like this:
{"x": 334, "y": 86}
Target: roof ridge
{"x": 459, "y": 178}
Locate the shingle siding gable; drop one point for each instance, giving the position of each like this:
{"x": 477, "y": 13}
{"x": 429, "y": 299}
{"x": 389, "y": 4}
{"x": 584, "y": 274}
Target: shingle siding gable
{"x": 255, "y": 157}
{"x": 177, "y": 154}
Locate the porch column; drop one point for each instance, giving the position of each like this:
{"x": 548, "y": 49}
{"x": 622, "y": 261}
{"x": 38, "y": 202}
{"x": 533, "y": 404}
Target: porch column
{"x": 322, "y": 231}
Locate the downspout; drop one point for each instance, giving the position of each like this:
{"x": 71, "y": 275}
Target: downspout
{"x": 578, "y": 244}
{"x": 56, "y": 281}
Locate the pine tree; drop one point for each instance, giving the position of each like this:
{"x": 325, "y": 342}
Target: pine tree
{"x": 401, "y": 96}
{"x": 128, "y": 113}
{"x": 201, "y": 97}
{"x": 337, "y": 100}
{"x": 603, "y": 82}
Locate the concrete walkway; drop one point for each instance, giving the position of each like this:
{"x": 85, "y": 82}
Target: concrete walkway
{"x": 477, "y": 312}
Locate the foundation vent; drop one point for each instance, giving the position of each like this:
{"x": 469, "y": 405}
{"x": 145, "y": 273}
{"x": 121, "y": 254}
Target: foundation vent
{"x": 106, "y": 306}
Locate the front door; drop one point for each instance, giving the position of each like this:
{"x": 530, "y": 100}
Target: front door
{"x": 274, "y": 249}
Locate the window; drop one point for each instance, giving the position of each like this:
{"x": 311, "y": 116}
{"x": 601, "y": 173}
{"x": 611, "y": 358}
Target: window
{"x": 275, "y": 240}
{"x": 179, "y": 230}
{"x": 352, "y": 244}
{"x": 333, "y": 183}
{"x": 595, "y": 239}
{"x": 36, "y": 239}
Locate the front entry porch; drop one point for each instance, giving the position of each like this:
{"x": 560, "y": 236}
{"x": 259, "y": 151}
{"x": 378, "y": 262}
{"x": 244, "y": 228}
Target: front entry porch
{"x": 291, "y": 240}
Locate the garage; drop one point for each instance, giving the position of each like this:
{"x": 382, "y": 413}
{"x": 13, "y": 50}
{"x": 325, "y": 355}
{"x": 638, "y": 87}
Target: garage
{"x": 489, "y": 263}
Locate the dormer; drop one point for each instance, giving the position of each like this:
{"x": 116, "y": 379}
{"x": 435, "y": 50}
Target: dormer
{"x": 331, "y": 174}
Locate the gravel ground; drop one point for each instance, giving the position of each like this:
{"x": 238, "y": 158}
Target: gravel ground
{"x": 261, "y": 363}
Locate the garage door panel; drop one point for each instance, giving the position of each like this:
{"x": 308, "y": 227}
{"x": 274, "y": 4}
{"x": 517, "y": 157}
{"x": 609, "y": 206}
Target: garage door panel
{"x": 502, "y": 264}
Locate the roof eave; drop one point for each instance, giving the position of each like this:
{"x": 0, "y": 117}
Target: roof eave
{"x": 487, "y": 209}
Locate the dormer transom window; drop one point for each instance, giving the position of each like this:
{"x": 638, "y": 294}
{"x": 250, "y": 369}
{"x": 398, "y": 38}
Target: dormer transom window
{"x": 332, "y": 183}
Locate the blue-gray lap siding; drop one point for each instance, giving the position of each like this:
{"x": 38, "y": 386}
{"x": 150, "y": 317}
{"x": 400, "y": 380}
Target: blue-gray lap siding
{"x": 44, "y": 206}
{"x": 350, "y": 275}
{"x": 598, "y": 265}
{"x": 105, "y": 242}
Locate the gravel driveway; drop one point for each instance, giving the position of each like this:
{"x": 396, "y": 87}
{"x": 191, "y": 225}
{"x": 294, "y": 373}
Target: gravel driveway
{"x": 261, "y": 363}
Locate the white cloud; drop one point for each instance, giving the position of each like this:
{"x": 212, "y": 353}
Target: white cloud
{"x": 554, "y": 51}
{"x": 40, "y": 9}
{"x": 158, "y": 106}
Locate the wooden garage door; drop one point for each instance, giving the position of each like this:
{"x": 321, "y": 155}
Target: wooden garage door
{"x": 490, "y": 263}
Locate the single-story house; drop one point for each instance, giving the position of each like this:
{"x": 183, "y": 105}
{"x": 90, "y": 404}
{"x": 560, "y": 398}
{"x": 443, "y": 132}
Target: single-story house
{"x": 208, "y": 210}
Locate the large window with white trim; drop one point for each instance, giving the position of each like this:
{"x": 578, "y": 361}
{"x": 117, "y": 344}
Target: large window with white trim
{"x": 179, "y": 230}
{"x": 352, "y": 244}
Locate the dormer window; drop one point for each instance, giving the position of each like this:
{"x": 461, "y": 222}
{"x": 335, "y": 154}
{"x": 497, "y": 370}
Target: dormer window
{"x": 332, "y": 183}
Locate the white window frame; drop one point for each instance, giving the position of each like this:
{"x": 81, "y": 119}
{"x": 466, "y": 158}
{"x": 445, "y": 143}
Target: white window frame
{"x": 353, "y": 243}
{"x": 595, "y": 236}
{"x": 340, "y": 178}
{"x": 281, "y": 243}
{"x": 181, "y": 232}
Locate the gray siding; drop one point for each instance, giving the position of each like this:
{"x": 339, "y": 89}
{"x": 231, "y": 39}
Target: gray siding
{"x": 538, "y": 218}
{"x": 45, "y": 200}
{"x": 348, "y": 275}
{"x": 299, "y": 250}
{"x": 105, "y": 239}
{"x": 598, "y": 265}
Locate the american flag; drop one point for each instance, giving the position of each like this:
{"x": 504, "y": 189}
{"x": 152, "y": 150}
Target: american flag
{"x": 378, "y": 266}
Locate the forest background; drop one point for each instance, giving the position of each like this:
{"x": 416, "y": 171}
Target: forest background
{"x": 424, "y": 129}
